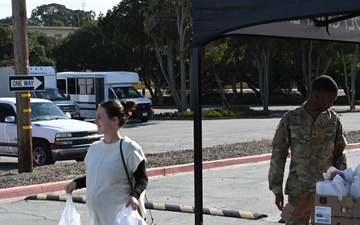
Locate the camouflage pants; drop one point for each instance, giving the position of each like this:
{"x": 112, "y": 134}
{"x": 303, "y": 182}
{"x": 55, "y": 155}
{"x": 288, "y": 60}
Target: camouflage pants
{"x": 294, "y": 200}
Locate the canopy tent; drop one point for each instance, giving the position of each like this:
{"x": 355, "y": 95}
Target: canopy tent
{"x": 333, "y": 20}
{"x": 212, "y": 19}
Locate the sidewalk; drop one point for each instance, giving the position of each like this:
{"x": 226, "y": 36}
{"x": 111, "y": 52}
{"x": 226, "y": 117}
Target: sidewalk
{"x": 16, "y": 192}
{"x": 238, "y": 188}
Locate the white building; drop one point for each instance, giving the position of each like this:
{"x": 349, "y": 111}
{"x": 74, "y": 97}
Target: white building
{"x": 58, "y": 32}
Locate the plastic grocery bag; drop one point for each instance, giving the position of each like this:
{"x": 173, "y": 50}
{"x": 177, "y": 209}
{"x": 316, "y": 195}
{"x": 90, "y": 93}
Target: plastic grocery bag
{"x": 355, "y": 188}
{"x": 69, "y": 216}
{"x": 357, "y": 170}
{"x": 336, "y": 187}
{"x": 128, "y": 217}
{"x": 347, "y": 174}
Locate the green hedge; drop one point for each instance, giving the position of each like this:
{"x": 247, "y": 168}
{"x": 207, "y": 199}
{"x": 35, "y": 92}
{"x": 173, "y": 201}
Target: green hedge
{"x": 232, "y": 112}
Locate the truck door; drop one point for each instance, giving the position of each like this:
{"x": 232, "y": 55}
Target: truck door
{"x": 8, "y": 131}
{"x": 99, "y": 91}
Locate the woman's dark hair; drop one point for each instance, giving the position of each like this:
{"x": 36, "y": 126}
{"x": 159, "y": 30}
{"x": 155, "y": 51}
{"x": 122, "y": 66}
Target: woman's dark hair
{"x": 119, "y": 109}
{"x": 324, "y": 83}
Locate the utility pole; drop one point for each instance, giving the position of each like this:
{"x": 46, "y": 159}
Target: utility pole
{"x": 23, "y": 109}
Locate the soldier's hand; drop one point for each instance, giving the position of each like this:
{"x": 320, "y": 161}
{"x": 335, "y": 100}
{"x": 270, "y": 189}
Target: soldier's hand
{"x": 279, "y": 201}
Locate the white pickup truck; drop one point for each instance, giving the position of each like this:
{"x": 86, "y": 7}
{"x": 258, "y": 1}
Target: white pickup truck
{"x": 54, "y": 135}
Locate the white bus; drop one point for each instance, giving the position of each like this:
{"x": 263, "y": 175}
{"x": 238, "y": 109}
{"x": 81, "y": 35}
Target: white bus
{"x": 89, "y": 89}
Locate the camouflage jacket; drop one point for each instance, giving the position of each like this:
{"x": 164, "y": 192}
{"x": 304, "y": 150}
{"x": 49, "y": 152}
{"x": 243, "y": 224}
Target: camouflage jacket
{"x": 314, "y": 147}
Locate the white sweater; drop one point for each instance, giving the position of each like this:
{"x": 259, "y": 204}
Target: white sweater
{"x": 107, "y": 186}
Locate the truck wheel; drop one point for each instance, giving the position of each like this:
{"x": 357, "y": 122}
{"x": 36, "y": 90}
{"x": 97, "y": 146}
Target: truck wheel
{"x": 42, "y": 154}
{"x": 144, "y": 119}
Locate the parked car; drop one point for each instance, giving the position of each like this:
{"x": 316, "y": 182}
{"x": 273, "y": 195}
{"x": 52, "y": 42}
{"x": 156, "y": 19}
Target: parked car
{"x": 55, "y": 136}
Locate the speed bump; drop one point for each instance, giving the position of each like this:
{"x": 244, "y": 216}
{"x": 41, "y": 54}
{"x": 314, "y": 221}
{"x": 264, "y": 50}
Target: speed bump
{"x": 163, "y": 207}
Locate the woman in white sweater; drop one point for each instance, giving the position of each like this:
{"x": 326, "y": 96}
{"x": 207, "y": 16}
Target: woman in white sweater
{"x": 108, "y": 187}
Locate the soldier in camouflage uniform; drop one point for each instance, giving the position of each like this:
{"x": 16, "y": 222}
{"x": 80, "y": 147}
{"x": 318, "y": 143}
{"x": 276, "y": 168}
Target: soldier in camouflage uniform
{"x": 315, "y": 136}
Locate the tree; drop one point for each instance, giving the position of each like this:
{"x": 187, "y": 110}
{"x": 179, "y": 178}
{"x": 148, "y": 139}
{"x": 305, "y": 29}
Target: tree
{"x": 58, "y": 16}
{"x": 6, "y": 45}
{"x": 260, "y": 49}
{"x": 82, "y": 50}
{"x": 167, "y": 23}
{"x": 237, "y": 57}
{"x": 262, "y": 57}
{"x": 40, "y": 49}
{"x": 323, "y": 54}
{"x": 215, "y": 57}
{"x": 6, "y": 20}
{"x": 133, "y": 47}
{"x": 350, "y": 89}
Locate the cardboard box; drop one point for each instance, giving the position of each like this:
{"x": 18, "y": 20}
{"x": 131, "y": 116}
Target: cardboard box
{"x": 330, "y": 210}
{"x": 287, "y": 211}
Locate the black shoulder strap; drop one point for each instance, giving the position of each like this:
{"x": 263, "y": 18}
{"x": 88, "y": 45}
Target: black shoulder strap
{"x": 131, "y": 185}
{"x": 123, "y": 160}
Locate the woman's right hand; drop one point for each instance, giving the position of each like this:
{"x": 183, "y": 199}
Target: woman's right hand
{"x": 70, "y": 187}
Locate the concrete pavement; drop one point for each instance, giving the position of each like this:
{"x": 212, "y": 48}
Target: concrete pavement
{"x": 241, "y": 187}
{"x": 152, "y": 172}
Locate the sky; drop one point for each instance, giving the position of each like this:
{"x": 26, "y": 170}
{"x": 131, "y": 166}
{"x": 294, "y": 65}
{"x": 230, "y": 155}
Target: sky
{"x": 95, "y": 5}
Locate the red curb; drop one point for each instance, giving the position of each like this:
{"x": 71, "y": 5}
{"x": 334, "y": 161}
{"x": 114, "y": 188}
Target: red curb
{"x": 236, "y": 161}
{"x": 32, "y": 189}
{"x": 352, "y": 146}
{"x": 160, "y": 171}
{"x": 153, "y": 172}
{"x": 189, "y": 167}
{"x": 51, "y": 187}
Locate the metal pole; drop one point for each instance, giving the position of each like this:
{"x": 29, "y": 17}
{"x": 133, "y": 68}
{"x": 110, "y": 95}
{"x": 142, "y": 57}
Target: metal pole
{"x": 197, "y": 136}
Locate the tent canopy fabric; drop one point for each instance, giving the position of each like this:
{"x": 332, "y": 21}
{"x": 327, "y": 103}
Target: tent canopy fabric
{"x": 334, "y": 20}
{"x": 314, "y": 19}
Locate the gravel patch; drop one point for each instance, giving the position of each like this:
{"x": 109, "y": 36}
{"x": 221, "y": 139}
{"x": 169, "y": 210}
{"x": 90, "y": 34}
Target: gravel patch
{"x": 67, "y": 171}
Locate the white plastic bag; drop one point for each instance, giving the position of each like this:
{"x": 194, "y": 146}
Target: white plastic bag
{"x": 142, "y": 205}
{"x": 347, "y": 174}
{"x": 336, "y": 187}
{"x": 128, "y": 217}
{"x": 355, "y": 188}
{"x": 69, "y": 216}
{"x": 357, "y": 170}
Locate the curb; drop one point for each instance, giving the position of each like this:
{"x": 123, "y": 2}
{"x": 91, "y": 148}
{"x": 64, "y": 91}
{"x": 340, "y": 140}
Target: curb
{"x": 15, "y": 192}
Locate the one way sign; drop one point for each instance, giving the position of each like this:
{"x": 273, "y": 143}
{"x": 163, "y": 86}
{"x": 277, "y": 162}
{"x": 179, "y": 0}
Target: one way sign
{"x": 26, "y": 83}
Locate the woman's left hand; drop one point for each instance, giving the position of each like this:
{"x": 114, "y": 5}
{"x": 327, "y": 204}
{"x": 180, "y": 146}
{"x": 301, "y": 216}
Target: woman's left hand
{"x": 133, "y": 202}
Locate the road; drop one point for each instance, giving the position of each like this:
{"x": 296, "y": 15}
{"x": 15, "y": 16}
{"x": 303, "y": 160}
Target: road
{"x": 161, "y": 136}
{"x": 158, "y": 136}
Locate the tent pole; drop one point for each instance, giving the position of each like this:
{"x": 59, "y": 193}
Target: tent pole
{"x": 196, "y": 99}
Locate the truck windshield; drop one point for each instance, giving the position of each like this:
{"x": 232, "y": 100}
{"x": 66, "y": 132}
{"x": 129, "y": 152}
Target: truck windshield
{"x": 126, "y": 92}
{"x": 50, "y": 94}
{"x": 46, "y": 111}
